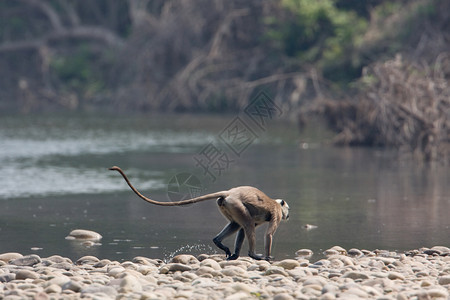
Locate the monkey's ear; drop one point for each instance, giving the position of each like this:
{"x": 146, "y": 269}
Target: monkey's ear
{"x": 281, "y": 201}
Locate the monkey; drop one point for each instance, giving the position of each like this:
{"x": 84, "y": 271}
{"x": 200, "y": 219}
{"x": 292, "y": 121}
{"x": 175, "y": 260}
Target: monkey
{"x": 245, "y": 207}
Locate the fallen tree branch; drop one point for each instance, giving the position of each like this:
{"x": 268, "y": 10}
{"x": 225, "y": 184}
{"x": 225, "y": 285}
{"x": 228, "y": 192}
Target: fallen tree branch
{"x": 81, "y": 32}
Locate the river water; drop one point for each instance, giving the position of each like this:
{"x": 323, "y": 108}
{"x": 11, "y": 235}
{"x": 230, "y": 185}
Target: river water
{"x": 54, "y": 178}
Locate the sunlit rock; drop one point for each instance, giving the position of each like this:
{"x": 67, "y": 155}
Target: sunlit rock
{"x": 82, "y": 234}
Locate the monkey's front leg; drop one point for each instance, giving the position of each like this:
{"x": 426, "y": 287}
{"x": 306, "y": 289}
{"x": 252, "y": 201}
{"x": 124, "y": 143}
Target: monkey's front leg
{"x": 268, "y": 238}
{"x": 228, "y": 230}
{"x": 251, "y": 237}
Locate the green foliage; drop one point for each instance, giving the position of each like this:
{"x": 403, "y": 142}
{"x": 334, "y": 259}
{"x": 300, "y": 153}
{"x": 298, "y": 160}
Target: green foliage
{"x": 317, "y": 32}
{"x": 78, "y": 72}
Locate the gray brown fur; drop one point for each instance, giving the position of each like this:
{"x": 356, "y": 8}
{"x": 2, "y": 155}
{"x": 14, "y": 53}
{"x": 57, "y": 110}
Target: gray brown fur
{"x": 245, "y": 207}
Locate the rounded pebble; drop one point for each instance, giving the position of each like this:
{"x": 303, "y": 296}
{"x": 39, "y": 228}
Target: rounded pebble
{"x": 288, "y": 264}
{"x": 29, "y": 260}
{"x": 26, "y": 274}
{"x": 304, "y": 253}
{"x": 184, "y": 259}
{"x": 444, "y": 280}
{"x": 87, "y": 260}
{"x": 6, "y": 257}
{"x": 82, "y": 234}
{"x": 378, "y": 274}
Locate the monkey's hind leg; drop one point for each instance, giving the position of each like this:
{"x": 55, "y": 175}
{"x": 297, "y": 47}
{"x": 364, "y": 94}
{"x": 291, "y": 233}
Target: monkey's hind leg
{"x": 231, "y": 228}
{"x": 238, "y": 244}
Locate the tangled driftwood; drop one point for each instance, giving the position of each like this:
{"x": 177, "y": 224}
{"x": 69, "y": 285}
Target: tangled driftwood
{"x": 406, "y": 104}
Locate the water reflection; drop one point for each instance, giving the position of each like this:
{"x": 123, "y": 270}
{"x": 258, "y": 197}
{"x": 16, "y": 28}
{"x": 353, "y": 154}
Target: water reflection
{"x": 55, "y": 179}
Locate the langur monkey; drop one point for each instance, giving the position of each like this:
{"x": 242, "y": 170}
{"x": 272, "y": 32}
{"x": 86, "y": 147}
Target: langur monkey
{"x": 245, "y": 207}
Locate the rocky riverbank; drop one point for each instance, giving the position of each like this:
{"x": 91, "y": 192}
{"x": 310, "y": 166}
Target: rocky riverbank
{"x": 352, "y": 274}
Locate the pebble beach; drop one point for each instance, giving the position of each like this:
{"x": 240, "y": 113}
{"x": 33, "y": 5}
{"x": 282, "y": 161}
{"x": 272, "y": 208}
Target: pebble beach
{"x": 345, "y": 274}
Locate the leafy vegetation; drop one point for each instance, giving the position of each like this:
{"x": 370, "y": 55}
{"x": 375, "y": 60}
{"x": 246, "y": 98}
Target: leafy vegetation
{"x": 319, "y": 33}
{"x": 213, "y": 55}
{"x": 79, "y": 72}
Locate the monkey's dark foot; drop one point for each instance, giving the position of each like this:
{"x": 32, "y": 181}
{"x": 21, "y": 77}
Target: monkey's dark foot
{"x": 228, "y": 253}
{"x": 269, "y": 258}
{"x": 233, "y": 257}
{"x": 256, "y": 256}
{"x": 222, "y": 246}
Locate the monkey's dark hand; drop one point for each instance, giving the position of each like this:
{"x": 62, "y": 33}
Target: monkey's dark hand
{"x": 227, "y": 253}
{"x": 233, "y": 257}
{"x": 256, "y": 256}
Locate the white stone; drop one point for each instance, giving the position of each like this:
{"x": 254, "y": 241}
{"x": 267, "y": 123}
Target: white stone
{"x": 210, "y": 263}
{"x": 288, "y": 264}
{"x": 304, "y": 253}
{"x": 82, "y": 234}
{"x": 53, "y": 288}
{"x": 6, "y": 257}
{"x": 233, "y": 271}
{"x": 130, "y": 284}
{"x": 184, "y": 259}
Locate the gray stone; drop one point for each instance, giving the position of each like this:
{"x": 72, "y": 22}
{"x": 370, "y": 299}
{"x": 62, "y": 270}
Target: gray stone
{"x": 179, "y": 267}
{"x": 339, "y": 249}
{"x": 444, "y": 280}
{"x": 102, "y": 263}
{"x": 59, "y": 280}
{"x": 146, "y": 261}
{"x": 233, "y": 271}
{"x": 7, "y": 277}
{"x": 315, "y": 280}
{"x": 204, "y": 270}
{"x": 330, "y": 252}
{"x": 276, "y": 270}
{"x": 184, "y": 259}
{"x": 238, "y": 296}
{"x": 238, "y": 263}
{"x": 59, "y": 259}
{"x": 355, "y": 252}
{"x": 63, "y": 265}
{"x": 210, "y": 263}
{"x": 441, "y": 250}
{"x": 304, "y": 253}
{"x": 327, "y": 296}
{"x": 99, "y": 289}
{"x": 6, "y": 257}
{"x": 26, "y": 274}
{"x": 82, "y": 234}
{"x": 53, "y": 288}
{"x": 329, "y": 288}
{"x": 29, "y": 260}
{"x": 353, "y": 293}
{"x": 115, "y": 271}
{"x": 87, "y": 260}
{"x": 288, "y": 264}
{"x": 395, "y": 275}
{"x": 434, "y": 294}
{"x": 73, "y": 286}
{"x": 130, "y": 284}
{"x": 355, "y": 275}
{"x": 283, "y": 296}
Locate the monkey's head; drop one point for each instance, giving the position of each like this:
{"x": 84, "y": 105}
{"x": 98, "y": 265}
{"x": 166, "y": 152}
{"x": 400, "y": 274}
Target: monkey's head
{"x": 284, "y": 208}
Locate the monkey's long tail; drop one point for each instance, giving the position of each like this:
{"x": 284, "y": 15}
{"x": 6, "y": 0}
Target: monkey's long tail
{"x": 176, "y": 203}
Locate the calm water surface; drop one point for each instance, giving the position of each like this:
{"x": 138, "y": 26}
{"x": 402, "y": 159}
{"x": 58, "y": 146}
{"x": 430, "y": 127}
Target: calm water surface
{"x": 54, "y": 178}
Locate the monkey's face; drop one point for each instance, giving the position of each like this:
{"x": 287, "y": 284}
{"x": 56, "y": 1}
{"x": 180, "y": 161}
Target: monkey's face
{"x": 284, "y": 208}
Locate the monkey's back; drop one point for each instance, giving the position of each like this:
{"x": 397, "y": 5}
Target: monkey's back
{"x": 259, "y": 205}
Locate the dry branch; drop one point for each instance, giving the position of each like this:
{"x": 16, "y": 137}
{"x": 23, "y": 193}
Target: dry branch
{"x": 405, "y": 104}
